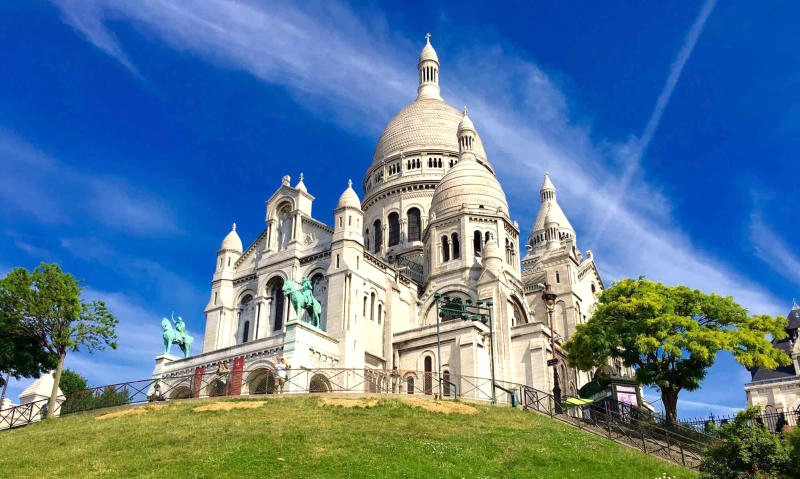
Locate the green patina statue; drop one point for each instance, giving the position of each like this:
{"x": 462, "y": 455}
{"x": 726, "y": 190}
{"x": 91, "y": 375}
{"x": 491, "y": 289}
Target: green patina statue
{"x": 176, "y": 335}
{"x": 302, "y": 298}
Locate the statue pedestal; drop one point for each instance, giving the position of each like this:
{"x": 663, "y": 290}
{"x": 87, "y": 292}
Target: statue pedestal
{"x": 162, "y": 360}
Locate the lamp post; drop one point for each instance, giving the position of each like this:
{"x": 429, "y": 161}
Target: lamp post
{"x": 436, "y": 298}
{"x": 453, "y": 307}
{"x": 549, "y": 298}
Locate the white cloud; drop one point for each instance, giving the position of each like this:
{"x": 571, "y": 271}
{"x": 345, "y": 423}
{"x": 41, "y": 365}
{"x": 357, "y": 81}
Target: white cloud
{"x": 355, "y": 74}
{"x": 54, "y": 193}
{"x": 773, "y": 250}
{"x": 633, "y": 150}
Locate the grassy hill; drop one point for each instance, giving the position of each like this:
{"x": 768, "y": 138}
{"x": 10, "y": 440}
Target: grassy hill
{"x": 318, "y": 437}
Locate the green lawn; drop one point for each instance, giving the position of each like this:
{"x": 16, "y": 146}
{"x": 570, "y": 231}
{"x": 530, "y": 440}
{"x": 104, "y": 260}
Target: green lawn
{"x": 297, "y": 437}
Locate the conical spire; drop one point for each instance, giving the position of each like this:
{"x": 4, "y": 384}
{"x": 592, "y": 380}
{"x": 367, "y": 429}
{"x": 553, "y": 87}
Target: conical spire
{"x": 551, "y": 224}
{"x": 428, "y": 68}
{"x": 466, "y": 137}
{"x": 548, "y": 190}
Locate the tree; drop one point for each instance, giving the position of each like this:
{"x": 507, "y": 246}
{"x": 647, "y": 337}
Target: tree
{"x": 21, "y": 354}
{"x": 747, "y": 450}
{"x": 49, "y": 307}
{"x": 671, "y": 336}
{"x": 72, "y": 382}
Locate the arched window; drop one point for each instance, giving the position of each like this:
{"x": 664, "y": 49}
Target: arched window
{"x": 519, "y": 313}
{"x": 377, "y": 235}
{"x": 380, "y": 310}
{"x": 394, "y": 229}
{"x": 414, "y": 224}
{"x": 246, "y": 332}
{"x": 558, "y": 277}
{"x": 277, "y": 304}
{"x": 486, "y": 239}
{"x": 427, "y": 383}
{"x": 366, "y": 240}
{"x": 445, "y": 249}
{"x": 246, "y": 315}
{"x": 456, "y": 246}
{"x": 410, "y": 385}
{"x": 319, "y": 288}
{"x": 372, "y": 307}
{"x": 476, "y": 242}
{"x": 594, "y": 289}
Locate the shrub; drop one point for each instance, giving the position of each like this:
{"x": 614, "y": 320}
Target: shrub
{"x": 747, "y": 450}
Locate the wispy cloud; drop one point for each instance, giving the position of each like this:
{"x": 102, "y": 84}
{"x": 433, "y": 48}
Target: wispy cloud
{"x": 631, "y": 152}
{"x": 34, "y": 184}
{"x": 357, "y": 75}
{"x": 773, "y": 250}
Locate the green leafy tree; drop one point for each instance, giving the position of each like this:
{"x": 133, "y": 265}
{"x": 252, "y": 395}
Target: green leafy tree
{"x": 21, "y": 354}
{"x": 747, "y": 450}
{"x": 48, "y": 305}
{"x": 671, "y": 335}
{"x": 71, "y": 382}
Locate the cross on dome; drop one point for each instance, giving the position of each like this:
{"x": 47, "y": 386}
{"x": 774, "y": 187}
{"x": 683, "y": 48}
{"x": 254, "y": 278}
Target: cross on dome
{"x": 233, "y": 228}
{"x": 428, "y": 38}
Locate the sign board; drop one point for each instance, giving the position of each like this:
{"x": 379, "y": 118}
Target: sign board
{"x": 552, "y": 362}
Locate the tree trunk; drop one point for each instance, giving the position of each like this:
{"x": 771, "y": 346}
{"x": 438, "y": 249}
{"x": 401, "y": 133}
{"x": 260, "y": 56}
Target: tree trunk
{"x": 670, "y": 399}
{"x": 51, "y": 404}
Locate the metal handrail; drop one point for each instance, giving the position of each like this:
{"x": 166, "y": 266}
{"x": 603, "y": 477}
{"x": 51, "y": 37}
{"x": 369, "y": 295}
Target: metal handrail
{"x": 609, "y": 419}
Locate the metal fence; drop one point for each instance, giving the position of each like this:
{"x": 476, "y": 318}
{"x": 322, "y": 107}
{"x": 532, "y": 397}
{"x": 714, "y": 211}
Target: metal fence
{"x": 264, "y": 382}
{"x": 625, "y": 424}
{"x": 617, "y": 421}
{"x": 774, "y": 419}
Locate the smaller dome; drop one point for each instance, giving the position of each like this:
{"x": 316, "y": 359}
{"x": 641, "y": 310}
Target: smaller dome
{"x": 472, "y": 184}
{"x": 232, "y": 241}
{"x": 428, "y": 53}
{"x": 349, "y": 198}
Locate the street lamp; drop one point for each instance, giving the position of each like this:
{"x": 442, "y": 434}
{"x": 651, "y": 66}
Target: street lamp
{"x": 549, "y": 298}
{"x": 453, "y": 307}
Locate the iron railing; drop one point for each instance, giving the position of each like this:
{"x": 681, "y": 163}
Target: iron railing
{"x": 262, "y": 381}
{"x": 616, "y": 421}
{"x": 772, "y": 418}
{"x": 625, "y": 424}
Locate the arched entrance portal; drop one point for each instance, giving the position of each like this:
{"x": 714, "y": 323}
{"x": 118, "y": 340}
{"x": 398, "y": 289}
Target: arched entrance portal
{"x": 261, "y": 381}
{"x": 181, "y": 392}
{"x": 319, "y": 384}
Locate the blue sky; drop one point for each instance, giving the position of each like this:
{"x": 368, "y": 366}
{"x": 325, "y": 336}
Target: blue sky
{"x": 132, "y": 134}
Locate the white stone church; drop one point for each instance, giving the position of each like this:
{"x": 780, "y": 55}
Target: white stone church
{"x": 432, "y": 218}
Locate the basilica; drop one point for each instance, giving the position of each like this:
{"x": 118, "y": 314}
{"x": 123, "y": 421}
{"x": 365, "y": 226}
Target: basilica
{"x": 430, "y": 228}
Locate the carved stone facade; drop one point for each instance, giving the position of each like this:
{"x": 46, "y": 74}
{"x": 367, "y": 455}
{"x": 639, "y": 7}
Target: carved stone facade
{"x": 778, "y": 390}
{"x": 434, "y": 219}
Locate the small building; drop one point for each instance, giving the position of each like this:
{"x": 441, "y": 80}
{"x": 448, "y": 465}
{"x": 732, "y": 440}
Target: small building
{"x": 778, "y": 390}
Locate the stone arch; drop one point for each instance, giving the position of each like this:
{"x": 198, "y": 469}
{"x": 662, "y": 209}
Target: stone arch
{"x": 319, "y": 288}
{"x": 246, "y": 316}
{"x": 277, "y": 303}
{"x": 260, "y": 381}
{"x": 181, "y": 391}
{"x": 319, "y": 383}
{"x": 519, "y": 315}
{"x": 430, "y": 304}
{"x": 217, "y": 387}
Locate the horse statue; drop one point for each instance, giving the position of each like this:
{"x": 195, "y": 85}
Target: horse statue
{"x": 302, "y": 299}
{"x": 176, "y": 335}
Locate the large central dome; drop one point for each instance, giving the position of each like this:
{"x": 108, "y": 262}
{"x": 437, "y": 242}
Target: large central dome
{"x": 417, "y": 148}
{"x": 425, "y": 124}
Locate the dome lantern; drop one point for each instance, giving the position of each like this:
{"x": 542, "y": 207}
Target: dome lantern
{"x": 428, "y": 68}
